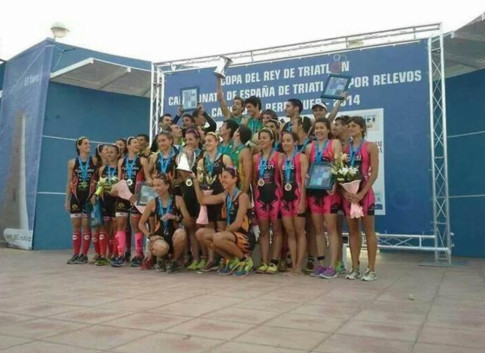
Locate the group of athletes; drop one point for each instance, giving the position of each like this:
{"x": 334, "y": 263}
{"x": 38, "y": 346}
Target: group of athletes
{"x": 253, "y": 171}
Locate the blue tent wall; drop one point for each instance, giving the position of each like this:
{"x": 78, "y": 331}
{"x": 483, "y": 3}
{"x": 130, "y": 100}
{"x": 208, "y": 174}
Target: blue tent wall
{"x": 72, "y": 112}
{"x": 466, "y": 164}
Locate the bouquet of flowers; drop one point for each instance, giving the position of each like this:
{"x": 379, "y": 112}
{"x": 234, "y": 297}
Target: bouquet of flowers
{"x": 349, "y": 178}
{"x": 105, "y": 184}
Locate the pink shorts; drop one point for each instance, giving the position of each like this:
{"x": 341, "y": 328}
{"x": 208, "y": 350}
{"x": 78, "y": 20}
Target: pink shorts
{"x": 324, "y": 204}
{"x": 368, "y": 204}
{"x": 290, "y": 202}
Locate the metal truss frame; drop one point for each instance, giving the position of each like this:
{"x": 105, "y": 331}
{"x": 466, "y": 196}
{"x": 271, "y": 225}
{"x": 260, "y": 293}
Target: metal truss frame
{"x": 440, "y": 241}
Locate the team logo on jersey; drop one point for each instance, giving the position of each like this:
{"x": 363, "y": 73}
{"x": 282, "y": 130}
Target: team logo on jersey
{"x": 74, "y": 207}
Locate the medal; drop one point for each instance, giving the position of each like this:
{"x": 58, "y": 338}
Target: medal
{"x": 288, "y": 187}
{"x": 189, "y": 182}
{"x": 261, "y": 182}
{"x": 83, "y": 185}
{"x": 129, "y": 182}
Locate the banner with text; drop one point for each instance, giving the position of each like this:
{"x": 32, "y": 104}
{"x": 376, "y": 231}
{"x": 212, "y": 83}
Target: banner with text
{"x": 391, "y": 79}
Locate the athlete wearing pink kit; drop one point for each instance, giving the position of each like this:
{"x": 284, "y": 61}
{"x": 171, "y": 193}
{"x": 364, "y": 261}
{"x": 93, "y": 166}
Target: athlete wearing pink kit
{"x": 268, "y": 190}
{"x": 319, "y": 202}
{"x": 291, "y": 176}
{"x": 362, "y": 160}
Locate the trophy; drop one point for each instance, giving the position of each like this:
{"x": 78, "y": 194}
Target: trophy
{"x": 335, "y": 87}
{"x": 185, "y": 161}
{"x": 220, "y": 70}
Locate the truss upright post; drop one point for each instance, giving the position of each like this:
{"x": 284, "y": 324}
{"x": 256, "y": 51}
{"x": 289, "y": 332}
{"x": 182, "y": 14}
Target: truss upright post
{"x": 439, "y": 152}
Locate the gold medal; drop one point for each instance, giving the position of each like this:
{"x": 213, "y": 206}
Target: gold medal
{"x": 261, "y": 182}
{"x": 129, "y": 182}
{"x": 83, "y": 185}
{"x": 189, "y": 182}
{"x": 288, "y": 187}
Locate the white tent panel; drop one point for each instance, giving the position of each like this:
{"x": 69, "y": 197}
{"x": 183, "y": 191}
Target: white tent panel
{"x": 105, "y": 76}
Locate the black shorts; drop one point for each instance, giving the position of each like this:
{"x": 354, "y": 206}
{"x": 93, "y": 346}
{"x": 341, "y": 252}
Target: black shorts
{"x": 78, "y": 204}
{"x": 108, "y": 206}
{"x": 123, "y": 208}
{"x": 168, "y": 238}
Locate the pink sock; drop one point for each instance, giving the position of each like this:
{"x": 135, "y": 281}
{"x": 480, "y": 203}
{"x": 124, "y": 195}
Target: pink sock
{"x": 86, "y": 243}
{"x": 76, "y": 243}
{"x": 96, "y": 242}
{"x": 139, "y": 243}
{"x": 121, "y": 240}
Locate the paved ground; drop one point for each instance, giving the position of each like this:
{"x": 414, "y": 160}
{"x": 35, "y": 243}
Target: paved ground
{"x": 47, "y": 306}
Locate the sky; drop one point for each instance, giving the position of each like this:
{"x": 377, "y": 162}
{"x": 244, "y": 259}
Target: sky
{"x": 165, "y": 30}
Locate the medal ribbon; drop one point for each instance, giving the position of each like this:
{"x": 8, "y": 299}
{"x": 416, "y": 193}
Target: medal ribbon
{"x": 111, "y": 173}
{"x": 164, "y": 162}
{"x": 320, "y": 152}
{"x": 263, "y": 163}
{"x": 130, "y": 166}
{"x": 354, "y": 153}
{"x": 229, "y": 203}
{"x": 84, "y": 168}
{"x": 289, "y": 163}
{"x": 210, "y": 164}
{"x": 162, "y": 213}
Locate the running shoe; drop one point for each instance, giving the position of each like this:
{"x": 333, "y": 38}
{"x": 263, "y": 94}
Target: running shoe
{"x": 136, "y": 261}
{"x": 224, "y": 271}
{"x": 94, "y": 259}
{"x": 81, "y": 260}
{"x": 354, "y": 274}
{"x": 244, "y": 268}
{"x": 209, "y": 266}
{"x": 101, "y": 261}
{"x": 147, "y": 263}
{"x": 340, "y": 268}
{"x": 172, "y": 266}
{"x": 272, "y": 269}
{"x": 233, "y": 265}
{"x": 318, "y": 270}
{"x": 201, "y": 264}
{"x": 369, "y": 276}
{"x": 282, "y": 266}
{"x": 160, "y": 266}
{"x": 310, "y": 266}
{"x": 329, "y": 273}
{"x": 72, "y": 260}
{"x": 222, "y": 264}
{"x": 262, "y": 268}
{"x": 193, "y": 266}
{"x": 118, "y": 262}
